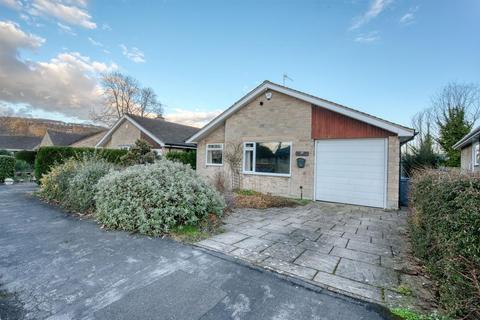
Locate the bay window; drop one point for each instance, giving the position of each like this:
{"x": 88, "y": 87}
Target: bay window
{"x": 267, "y": 158}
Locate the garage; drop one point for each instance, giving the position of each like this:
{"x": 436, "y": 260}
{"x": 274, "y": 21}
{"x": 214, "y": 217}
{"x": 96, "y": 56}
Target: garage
{"x": 351, "y": 171}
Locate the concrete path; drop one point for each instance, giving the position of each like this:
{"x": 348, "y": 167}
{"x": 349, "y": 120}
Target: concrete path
{"x": 54, "y": 266}
{"x": 355, "y": 250}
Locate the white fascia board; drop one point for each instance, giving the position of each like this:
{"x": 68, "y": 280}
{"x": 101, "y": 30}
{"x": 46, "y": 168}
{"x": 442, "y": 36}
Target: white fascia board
{"x": 399, "y": 130}
{"x": 109, "y": 132}
{"x": 148, "y": 133}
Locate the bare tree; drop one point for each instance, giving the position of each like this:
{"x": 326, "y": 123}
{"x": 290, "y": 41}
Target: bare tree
{"x": 148, "y": 102}
{"x": 460, "y": 96}
{"x": 123, "y": 94}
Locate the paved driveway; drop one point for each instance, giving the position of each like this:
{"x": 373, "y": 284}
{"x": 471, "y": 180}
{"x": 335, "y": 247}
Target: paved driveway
{"x": 350, "y": 249}
{"x": 55, "y": 266}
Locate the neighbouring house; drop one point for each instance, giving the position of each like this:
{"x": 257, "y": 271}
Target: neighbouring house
{"x": 162, "y": 135}
{"x": 60, "y": 138}
{"x": 469, "y": 147}
{"x": 294, "y": 144}
{"x": 15, "y": 143}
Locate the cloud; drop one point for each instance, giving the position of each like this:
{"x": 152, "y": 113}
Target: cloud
{"x": 191, "y": 118}
{"x": 68, "y": 12}
{"x": 65, "y": 29}
{"x": 369, "y": 37}
{"x": 133, "y": 54}
{"x": 66, "y": 84}
{"x": 409, "y": 17}
{"x": 376, "y": 7}
{"x": 12, "y": 4}
{"x": 94, "y": 42}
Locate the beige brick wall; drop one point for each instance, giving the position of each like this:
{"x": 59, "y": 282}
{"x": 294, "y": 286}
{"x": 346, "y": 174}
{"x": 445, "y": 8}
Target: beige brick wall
{"x": 282, "y": 118}
{"x": 126, "y": 134}
{"x": 90, "y": 141}
{"x": 393, "y": 172}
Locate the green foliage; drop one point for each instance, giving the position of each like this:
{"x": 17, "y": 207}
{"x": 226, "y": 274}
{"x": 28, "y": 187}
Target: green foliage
{"x": 151, "y": 199}
{"x": 421, "y": 156}
{"x": 82, "y": 185}
{"x": 47, "y": 157}
{"x": 55, "y": 184}
{"x": 5, "y": 152}
{"x": 22, "y": 166}
{"x": 7, "y": 167}
{"x": 73, "y": 183}
{"x": 453, "y": 126}
{"x": 27, "y": 156}
{"x": 140, "y": 153}
{"x": 445, "y": 231}
{"x": 407, "y": 314}
{"x": 188, "y": 157}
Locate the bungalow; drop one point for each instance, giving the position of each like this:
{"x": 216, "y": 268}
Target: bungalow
{"x": 294, "y": 144}
{"x": 162, "y": 135}
{"x": 469, "y": 147}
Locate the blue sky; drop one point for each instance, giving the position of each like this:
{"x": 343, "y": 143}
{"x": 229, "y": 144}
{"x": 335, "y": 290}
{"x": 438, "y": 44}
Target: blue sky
{"x": 384, "y": 57}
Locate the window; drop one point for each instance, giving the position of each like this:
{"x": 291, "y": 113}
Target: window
{"x": 268, "y": 158}
{"x": 215, "y": 154}
{"x": 476, "y": 154}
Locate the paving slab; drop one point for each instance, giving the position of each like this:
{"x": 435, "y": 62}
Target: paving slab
{"x": 346, "y": 285}
{"x": 284, "y": 252}
{"x": 367, "y": 273}
{"x": 280, "y": 265}
{"x": 370, "y": 248}
{"x": 254, "y": 244}
{"x": 317, "y": 261}
{"x": 355, "y": 255}
{"x": 229, "y": 237}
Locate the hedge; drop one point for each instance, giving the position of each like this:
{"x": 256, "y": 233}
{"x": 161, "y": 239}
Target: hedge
{"x": 47, "y": 157}
{"x": 445, "y": 231}
{"x": 27, "y": 156}
{"x": 7, "y": 167}
{"x": 188, "y": 157}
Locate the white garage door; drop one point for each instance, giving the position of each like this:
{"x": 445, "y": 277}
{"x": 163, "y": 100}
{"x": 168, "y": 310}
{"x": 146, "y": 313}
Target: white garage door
{"x": 351, "y": 171}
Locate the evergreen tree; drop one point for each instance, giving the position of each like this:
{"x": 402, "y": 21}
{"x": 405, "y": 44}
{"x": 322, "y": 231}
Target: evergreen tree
{"x": 453, "y": 126}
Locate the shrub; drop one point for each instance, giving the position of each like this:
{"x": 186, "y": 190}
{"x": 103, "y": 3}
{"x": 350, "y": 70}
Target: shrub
{"x": 82, "y": 185}
{"x": 188, "y": 157}
{"x": 4, "y": 152}
{"x": 27, "y": 156}
{"x": 140, "y": 153}
{"x": 47, "y": 157}
{"x": 7, "y": 167}
{"x": 151, "y": 199}
{"x": 55, "y": 184}
{"x": 445, "y": 225}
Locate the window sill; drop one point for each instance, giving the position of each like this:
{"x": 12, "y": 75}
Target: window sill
{"x": 214, "y": 164}
{"x": 284, "y": 175}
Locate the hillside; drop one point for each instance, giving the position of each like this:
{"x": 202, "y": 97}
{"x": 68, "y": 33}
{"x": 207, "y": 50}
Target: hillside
{"x": 37, "y": 127}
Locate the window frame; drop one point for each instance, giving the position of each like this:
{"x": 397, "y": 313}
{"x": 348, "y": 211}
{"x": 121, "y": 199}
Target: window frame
{"x": 475, "y": 145}
{"x": 254, "y": 161}
{"x": 208, "y": 148}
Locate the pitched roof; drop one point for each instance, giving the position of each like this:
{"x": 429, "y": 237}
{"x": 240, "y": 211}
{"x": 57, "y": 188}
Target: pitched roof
{"x": 164, "y": 132}
{"x": 474, "y": 134}
{"x": 400, "y": 130}
{"x": 170, "y": 133}
{"x": 66, "y": 138}
{"x": 19, "y": 142}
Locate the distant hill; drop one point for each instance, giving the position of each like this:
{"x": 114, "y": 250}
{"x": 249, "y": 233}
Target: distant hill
{"x": 36, "y": 127}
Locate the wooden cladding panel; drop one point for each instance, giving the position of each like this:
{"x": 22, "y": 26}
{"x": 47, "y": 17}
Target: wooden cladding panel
{"x": 327, "y": 124}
